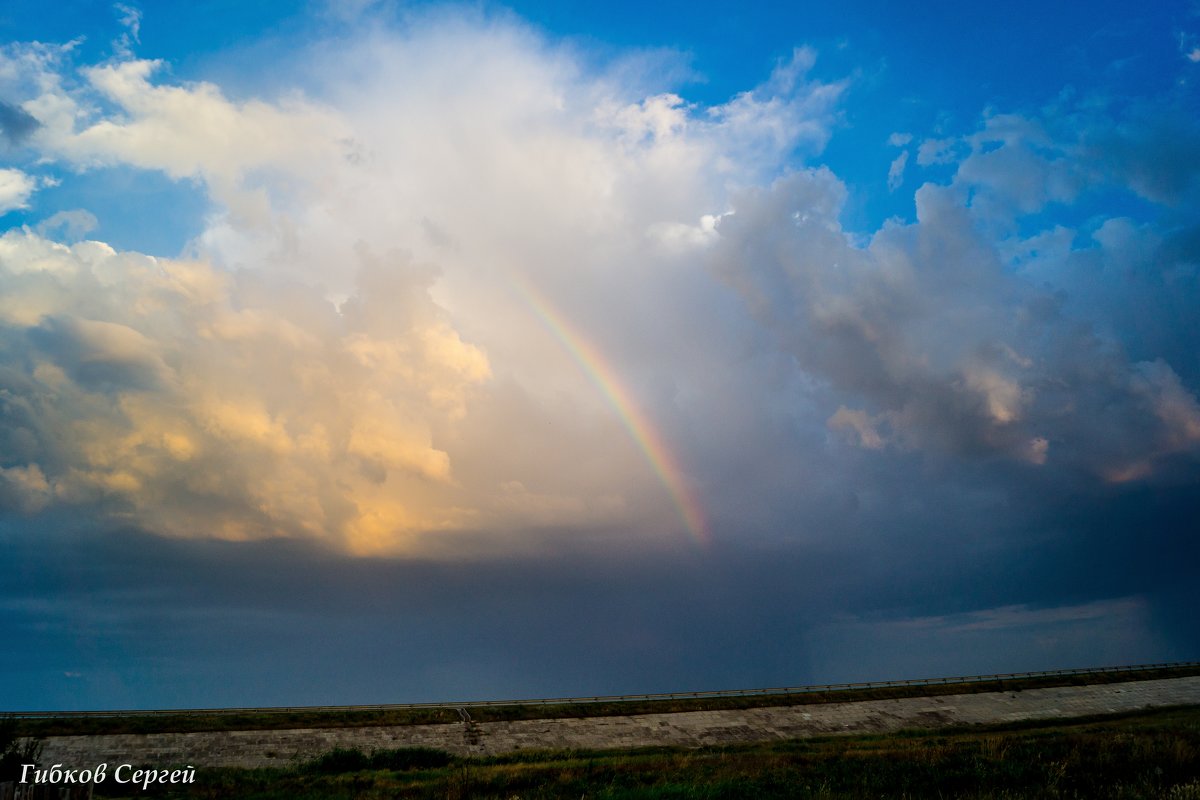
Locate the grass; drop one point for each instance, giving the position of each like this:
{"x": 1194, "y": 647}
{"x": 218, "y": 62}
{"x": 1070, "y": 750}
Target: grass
{"x": 1145, "y": 755}
{"x": 251, "y": 720}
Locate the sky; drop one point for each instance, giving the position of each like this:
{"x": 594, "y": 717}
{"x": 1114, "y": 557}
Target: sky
{"x": 369, "y": 352}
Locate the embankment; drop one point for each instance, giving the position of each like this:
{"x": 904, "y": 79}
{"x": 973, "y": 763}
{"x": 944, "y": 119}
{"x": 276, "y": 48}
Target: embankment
{"x": 262, "y": 748}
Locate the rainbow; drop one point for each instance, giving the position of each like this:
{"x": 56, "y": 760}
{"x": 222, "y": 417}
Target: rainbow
{"x": 640, "y": 429}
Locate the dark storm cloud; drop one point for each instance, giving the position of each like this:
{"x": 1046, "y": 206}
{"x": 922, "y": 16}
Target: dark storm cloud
{"x": 16, "y": 124}
{"x": 330, "y": 629}
{"x": 954, "y": 334}
{"x": 159, "y": 622}
{"x": 1013, "y": 415}
{"x": 1155, "y": 153}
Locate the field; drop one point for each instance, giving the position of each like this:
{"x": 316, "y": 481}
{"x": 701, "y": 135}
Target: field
{"x": 1148, "y": 755}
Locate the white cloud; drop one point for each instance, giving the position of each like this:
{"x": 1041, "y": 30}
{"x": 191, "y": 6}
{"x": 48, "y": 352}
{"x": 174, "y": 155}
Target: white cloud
{"x": 896, "y": 171}
{"x": 190, "y": 131}
{"x": 72, "y": 225}
{"x": 937, "y": 151}
{"x": 16, "y": 188}
{"x": 131, "y": 19}
{"x": 1189, "y": 48}
{"x": 421, "y": 403}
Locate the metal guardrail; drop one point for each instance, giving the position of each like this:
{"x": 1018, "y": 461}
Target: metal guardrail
{"x": 619, "y": 698}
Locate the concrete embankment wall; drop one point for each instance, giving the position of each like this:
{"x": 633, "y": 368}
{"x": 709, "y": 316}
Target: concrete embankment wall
{"x": 263, "y": 748}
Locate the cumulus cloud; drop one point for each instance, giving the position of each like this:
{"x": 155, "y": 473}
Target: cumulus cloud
{"x": 186, "y": 131}
{"x": 379, "y": 397}
{"x": 350, "y": 355}
{"x": 931, "y": 328}
{"x": 197, "y": 402}
{"x": 1015, "y": 167}
{"x": 15, "y": 189}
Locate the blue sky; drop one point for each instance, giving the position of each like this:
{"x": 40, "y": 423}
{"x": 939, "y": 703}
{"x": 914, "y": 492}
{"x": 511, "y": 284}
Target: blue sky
{"x": 899, "y": 58}
{"x": 556, "y": 349}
